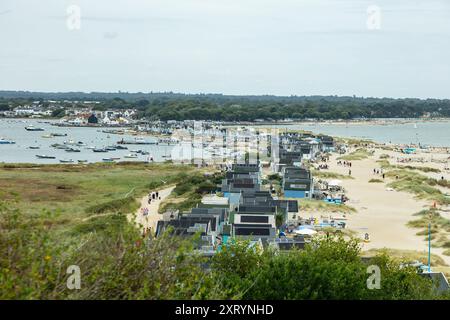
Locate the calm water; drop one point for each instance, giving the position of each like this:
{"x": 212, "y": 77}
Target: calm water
{"x": 427, "y": 133}
{"x": 20, "y": 152}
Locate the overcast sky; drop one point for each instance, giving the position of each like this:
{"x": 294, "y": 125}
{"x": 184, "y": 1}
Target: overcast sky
{"x": 282, "y": 47}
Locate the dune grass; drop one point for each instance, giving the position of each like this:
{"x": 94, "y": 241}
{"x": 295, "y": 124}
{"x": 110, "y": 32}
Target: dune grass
{"x": 329, "y": 175}
{"x": 421, "y": 186}
{"x": 406, "y": 256}
{"x": 358, "y": 154}
{"x": 189, "y": 190}
{"x": 386, "y": 165}
{"x": 439, "y": 227}
{"x": 318, "y": 205}
{"x": 375, "y": 181}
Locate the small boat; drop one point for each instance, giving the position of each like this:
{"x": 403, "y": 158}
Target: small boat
{"x": 110, "y": 148}
{"x": 66, "y": 161}
{"x": 45, "y": 157}
{"x": 47, "y": 136}
{"x": 100, "y": 150}
{"x": 59, "y": 146}
{"x": 82, "y": 161}
{"x": 108, "y": 160}
{"x": 3, "y": 141}
{"x": 33, "y": 147}
{"x": 131, "y": 156}
{"x": 58, "y": 134}
{"x": 119, "y": 147}
{"x": 70, "y": 142}
{"x": 33, "y": 128}
{"x": 73, "y": 150}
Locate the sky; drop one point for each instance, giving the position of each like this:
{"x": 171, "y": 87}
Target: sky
{"x": 380, "y": 48}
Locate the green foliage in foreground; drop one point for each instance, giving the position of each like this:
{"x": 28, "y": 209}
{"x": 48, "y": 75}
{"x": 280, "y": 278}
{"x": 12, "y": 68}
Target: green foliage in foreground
{"x": 116, "y": 263}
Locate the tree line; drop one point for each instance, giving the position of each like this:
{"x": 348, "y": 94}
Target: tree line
{"x": 171, "y": 106}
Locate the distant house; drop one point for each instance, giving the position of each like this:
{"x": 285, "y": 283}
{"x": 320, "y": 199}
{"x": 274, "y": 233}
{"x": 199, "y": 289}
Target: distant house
{"x": 93, "y": 119}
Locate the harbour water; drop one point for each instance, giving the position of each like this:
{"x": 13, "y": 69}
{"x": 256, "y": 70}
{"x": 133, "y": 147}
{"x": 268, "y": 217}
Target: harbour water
{"x": 431, "y": 133}
{"x": 20, "y": 152}
{"x": 428, "y": 133}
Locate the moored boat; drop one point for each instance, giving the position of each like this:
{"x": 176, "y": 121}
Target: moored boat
{"x": 4, "y": 141}
{"x": 33, "y": 128}
{"x": 45, "y": 157}
{"x": 131, "y": 156}
{"x": 66, "y": 161}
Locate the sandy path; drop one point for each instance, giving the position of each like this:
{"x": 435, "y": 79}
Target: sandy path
{"x": 382, "y": 214}
{"x": 151, "y": 220}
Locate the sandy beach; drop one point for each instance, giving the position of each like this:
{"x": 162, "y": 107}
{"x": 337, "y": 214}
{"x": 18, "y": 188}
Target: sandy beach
{"x": 384, "y": 213}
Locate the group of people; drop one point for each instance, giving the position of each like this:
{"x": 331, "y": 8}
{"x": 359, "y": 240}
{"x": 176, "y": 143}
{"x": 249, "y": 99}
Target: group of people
{"x": 344, "y": 163}
{"x": 379, "y": 171}
{"x": 153, "y": 196}
{"x": 323, "y": 166}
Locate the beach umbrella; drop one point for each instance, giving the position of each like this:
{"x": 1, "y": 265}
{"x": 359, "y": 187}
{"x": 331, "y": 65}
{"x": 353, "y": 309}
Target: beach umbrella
{"x": 335, "y": 182}
{"x": 305, "y": 231}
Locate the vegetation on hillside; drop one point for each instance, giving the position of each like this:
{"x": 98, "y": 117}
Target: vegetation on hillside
{"x": 116, "y": 263}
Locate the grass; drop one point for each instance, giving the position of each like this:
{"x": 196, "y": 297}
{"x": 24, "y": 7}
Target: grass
{"x": 76, "y": 192}
{"x": 358, "y": 154}
{"x": 417, "y": 184}
{"x": 440, "y": 226}
{"x": 405, "y": 256}
{"x": 318, "y": 205}
{"x": 329, "y": 175}
{"x": 189, "y": 191}
{"x": 386, "y": 165}
{"x": 375, "y": 181}
{"x": 355, "y": 141}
